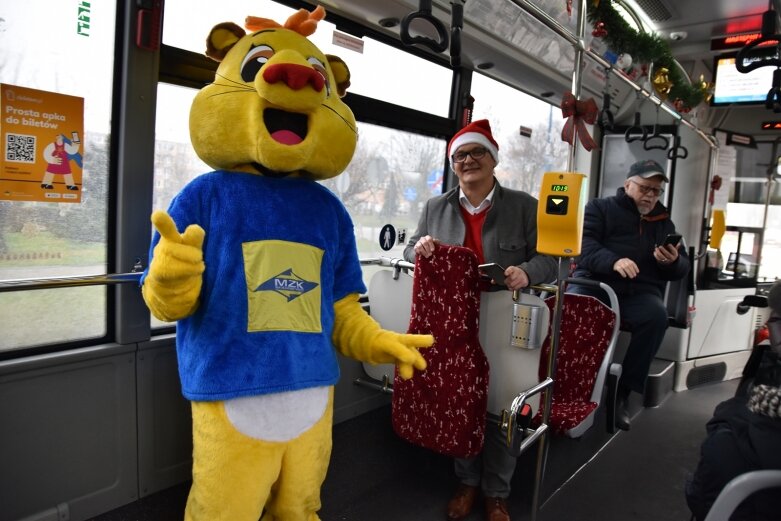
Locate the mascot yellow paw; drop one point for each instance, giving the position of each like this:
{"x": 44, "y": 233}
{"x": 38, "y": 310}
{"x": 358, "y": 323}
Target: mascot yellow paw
{"x": 359, "y": 336}
{"x": 173, "y": 283}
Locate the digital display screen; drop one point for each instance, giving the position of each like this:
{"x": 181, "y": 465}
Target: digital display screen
{"x": 559, "y": 188}
{"x": 733, "y": 87}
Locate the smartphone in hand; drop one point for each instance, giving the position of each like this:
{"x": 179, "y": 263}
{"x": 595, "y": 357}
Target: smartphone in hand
{"x": 673, "y": 238}
{"x": 493, "y": 271}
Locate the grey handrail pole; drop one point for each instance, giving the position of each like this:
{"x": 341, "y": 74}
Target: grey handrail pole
{"x": 64, "y": 282}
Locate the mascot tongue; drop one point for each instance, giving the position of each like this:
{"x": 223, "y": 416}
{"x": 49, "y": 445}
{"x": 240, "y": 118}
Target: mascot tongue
{"x": 286, "y": 137}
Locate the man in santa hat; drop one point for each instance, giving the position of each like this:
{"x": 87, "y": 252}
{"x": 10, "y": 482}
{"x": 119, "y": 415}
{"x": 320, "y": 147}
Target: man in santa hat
{"x": 500, "y": 226}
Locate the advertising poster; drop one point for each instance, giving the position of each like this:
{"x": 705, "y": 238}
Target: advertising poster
{"x": 42, "y": 145}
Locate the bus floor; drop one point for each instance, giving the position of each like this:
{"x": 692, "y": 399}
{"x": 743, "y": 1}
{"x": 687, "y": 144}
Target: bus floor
{"x": 637, "y": 475}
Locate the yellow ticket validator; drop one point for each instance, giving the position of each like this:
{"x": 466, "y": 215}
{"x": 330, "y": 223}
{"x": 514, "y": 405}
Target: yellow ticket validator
{"x": 560, "y": 213}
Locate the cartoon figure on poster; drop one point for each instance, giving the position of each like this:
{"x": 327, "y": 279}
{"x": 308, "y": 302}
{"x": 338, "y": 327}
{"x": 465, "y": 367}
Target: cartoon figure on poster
{"x": 258, "y": 263}
{"x": 58, "y": 156}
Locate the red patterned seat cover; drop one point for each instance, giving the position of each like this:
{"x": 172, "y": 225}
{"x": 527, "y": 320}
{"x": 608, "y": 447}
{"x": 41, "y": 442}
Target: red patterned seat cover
{"x": 586, "y": 329}
{"x": 444, "y": 407}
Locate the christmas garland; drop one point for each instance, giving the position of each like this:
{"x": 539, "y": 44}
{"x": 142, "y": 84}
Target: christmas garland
{"x": 645, "y": 48}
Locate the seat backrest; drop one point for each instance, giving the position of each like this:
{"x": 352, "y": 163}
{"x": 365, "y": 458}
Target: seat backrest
{"x": 586, "y": 342}
{"x": 513, "y": 368}
{"x": 390, "y": 303}
{"x": 676, "y": 298}
{"x": 738, "y": 489}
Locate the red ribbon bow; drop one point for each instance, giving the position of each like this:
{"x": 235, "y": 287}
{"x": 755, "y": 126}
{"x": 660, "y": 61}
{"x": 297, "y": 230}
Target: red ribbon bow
{"x": 578, "y": 112}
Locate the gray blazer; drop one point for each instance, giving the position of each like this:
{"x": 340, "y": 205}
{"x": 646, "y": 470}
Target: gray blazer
{"x": 509, "y": 232}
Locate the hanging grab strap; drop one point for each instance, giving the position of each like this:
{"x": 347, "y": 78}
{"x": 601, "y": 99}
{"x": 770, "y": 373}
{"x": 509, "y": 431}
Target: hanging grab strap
{"x": 655, "y": 135}
{"x": 630, "y": 134}
{"x": 456, "y": 24}
{"x": 605, "y": 115}
{"x": 773, "y": 100}
{"x": 424, "y": 13}
{"x": 636, "y": 126}
{"x": 758, "y": 60}
{"x": 677, "y": 151}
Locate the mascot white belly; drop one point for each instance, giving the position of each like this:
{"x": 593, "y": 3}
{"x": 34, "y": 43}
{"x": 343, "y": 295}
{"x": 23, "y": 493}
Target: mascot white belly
{"x": 278, "y": 417}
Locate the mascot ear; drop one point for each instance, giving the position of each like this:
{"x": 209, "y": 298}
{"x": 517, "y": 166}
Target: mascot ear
{"x": 341, "y": 74}
{"x": 222, "y": 38}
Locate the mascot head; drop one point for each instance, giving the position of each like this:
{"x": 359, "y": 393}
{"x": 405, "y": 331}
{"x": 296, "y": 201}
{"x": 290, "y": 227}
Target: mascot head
{"x": 275, "y": 106}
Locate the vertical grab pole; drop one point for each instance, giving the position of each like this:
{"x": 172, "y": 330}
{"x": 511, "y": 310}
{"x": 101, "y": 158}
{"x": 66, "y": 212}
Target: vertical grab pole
{"x": 577, "y": 76}
{"x": 542, "y": 447}
{"x": 563, "y": 273}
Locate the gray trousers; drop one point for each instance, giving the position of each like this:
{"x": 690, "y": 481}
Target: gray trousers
{"x": 492, "y": 469}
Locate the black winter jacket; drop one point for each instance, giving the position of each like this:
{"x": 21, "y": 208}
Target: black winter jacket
{"x": 614, "y": 229}
{"x": 738, "y": 441}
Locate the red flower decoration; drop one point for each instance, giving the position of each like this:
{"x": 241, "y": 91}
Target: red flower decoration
{"x": 715, "y": 185}
{"x": 716, "y": 182}
{"x": 680, "y": 106}
{"x": 599, "y": 30}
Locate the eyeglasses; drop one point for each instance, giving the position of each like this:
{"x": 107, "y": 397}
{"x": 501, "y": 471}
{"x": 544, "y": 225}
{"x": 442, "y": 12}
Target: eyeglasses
{"x": 648, "y": 190}
{"x": 476, "y": 153}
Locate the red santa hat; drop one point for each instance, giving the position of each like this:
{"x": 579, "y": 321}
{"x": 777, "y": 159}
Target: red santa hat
{"x": 476, "y": 132}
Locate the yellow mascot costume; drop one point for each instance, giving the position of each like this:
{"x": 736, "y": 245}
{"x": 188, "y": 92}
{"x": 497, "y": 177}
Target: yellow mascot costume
{"x": 264, "y": 280}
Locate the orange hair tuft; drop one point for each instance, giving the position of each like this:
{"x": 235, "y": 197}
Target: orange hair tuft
{"x": 302, "y": 21}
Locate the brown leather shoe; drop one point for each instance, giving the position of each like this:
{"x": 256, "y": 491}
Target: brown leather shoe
{"x": 460, "y": 505}
{"x": 496, "y": 509}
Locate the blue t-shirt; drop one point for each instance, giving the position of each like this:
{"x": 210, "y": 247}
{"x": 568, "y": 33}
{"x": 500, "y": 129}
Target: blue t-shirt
{"x": 278, "y": 254}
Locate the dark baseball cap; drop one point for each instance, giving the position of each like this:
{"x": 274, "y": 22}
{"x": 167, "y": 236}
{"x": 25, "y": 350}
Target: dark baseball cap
{"x": 647, "y": 168}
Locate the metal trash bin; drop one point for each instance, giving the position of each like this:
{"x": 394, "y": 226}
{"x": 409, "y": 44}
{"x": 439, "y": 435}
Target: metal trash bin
{"x": 526, "y": 327}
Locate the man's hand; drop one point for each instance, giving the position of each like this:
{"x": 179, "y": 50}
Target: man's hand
{"x": 515, "y": 278}
{"x": 626, "y": 268}
{"x": 426, "y": 246}
{"x": 666, "y": 254}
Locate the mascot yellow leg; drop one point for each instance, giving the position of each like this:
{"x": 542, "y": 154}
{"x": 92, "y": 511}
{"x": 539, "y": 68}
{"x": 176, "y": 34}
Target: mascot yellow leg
{"x": 237, "y": 477}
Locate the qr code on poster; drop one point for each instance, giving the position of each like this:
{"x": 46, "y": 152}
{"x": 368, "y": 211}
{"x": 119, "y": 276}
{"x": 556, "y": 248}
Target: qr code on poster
{"x": 20, "y": 148}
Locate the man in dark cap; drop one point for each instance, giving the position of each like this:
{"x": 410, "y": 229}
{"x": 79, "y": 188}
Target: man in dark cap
{"x": 624, "y": 246}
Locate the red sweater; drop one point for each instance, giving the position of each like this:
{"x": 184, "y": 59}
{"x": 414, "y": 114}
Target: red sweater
{"x": 474, "y": 232}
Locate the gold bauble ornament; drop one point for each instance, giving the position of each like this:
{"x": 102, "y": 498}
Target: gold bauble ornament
{"x": 661, "y": 82}
{"x": 706, "y": 88}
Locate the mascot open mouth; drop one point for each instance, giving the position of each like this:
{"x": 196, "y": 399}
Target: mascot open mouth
{"x": 288, "y": 128}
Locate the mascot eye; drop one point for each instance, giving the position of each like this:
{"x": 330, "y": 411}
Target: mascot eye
{"x": 320, "y": 67}
{"x": 256, "y": 58}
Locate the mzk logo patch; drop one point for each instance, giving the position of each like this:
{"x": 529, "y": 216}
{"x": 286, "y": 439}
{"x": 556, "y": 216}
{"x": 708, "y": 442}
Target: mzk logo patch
{"x": 283, "y": 286}
{"x": 287, "y": 284}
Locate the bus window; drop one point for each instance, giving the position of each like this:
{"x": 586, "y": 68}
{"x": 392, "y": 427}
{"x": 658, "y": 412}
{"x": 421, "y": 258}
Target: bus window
{"x": 379, "y": 71}
{"x": 522, "y": 159}
{"x": 176, "y": 163}
{"x": 56, "y": 227}
{"x": 771, "y": 248}
{"x": 390, "y": 177}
